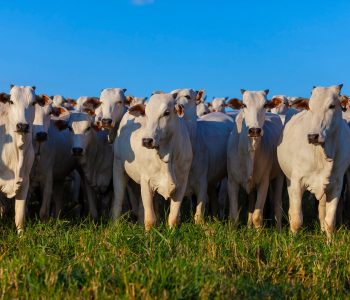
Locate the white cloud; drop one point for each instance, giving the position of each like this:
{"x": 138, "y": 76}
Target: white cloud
{"x": 142, "y": 2}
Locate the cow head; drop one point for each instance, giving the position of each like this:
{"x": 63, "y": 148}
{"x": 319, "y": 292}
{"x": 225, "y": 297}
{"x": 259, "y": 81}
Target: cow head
{"x": 80, "y": 125}
{"x": 161, "y": 113}
{"x": 202, "y": 109}
{"x": 325, "y": 111}
{"x": 189, "y": 99}
{"x": 218, "y": 104}
{"x": 112, "y": 107}
{"x": 43, "y": 117}
{"x": 21, "y": 101}
{"x": 254, "y": 106}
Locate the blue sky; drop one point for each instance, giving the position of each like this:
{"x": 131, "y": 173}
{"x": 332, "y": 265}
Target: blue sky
{"x": 78, "y": 47}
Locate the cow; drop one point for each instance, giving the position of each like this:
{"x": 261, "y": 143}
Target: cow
{"x": 53, "y": 162}
{"x": 153, "y": 148}
{"x": 209, "y": 135}
{"x": 93, "y": 153}
{"x": 17, "y": 154}
{"x": 202, "y": 108}
{"x": 314, "y": 156}
{"x": 251, "y": 156}
{"x": 217, "y": 104}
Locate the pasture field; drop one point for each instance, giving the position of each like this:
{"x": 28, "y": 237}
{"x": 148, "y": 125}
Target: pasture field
{"x": 63, "y": 259}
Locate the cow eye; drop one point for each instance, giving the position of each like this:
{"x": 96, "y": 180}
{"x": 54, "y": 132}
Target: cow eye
{"x": 166, "y": 113}
{"x": 332, "y": 106}
{"x": 188, "y": 97}
{"x": 10, "y": 102}
{"x": 87, "y": 129}
{"x": 245, "y": 106}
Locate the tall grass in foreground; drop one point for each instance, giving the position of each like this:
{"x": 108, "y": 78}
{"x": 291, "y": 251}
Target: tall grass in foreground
{"x": 65, "y": 260}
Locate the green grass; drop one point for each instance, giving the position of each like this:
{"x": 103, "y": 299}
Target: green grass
{"x": 60, "y": 259}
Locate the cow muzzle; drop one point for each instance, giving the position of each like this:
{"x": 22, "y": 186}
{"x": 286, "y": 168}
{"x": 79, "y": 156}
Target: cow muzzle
{"x": 77, "y": 151}
{"x": 148, "y": 143}
{"x": 106, "y": 123}
{"x": 22, "y": 127}
{"x": 314, "y": 139}
{"x": 254, "y": 132}
{"x": 41, "y": 137}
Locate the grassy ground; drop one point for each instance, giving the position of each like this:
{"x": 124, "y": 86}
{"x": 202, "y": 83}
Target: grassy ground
{"x": 60, "y": 259}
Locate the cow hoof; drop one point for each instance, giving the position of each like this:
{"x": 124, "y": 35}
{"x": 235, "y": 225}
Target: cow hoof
{"x": 198, "y": 219}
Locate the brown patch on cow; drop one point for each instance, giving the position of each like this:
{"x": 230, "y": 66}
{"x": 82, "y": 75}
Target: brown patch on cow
{"x": 210, "y": 104}
{"x": 235, "y": 103}
{"x": 89, "y": 111}
{"x": 301, "y": 104}
{"x": 43, "y": 100}
{"x": 59, "y": 111}
{"x": 344, "y": 102}
{"x": 4, "y": 97}
{"x": 179, "y": 108}
{"x": 274, "y": 102}
{"x": 137, "y": 110}
{"x": 90, "y": 105}
{"x": 200, "y": 95}
{"x": 61, "y": 124}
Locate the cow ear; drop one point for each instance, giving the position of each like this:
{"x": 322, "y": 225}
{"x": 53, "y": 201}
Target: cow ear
{"x": 339, "y": 87}
{"x": 180, "y": 110}
{"x": 4, "y": 97}
{"x": 137, "y": 110}
{"x": 129, "y": 99}
{"x": 200, "y": 95}
{"x": 124, "y": 90}
{"x": 11, "y": 86}
{"x": 274, "y": 102}
{"x": 93, "y": 101}
{"x": 235, "y": 103}
{"x": 266, "y": 91}
{"x": 344, "y": 102}
{"x": 210, "y": 104}
{"x": 34, "y": 87}
{"x": 243, "y": 91}
{"x": 59, "y": 111}
{"x": 43, "y": 100}
{"x": 61, "y": 124}
{"x": 301, "y": 103}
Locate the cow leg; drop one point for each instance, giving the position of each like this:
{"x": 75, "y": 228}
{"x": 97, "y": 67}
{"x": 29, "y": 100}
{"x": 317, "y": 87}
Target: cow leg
{"x": 134, "y": 201}
{"x": 295, "y": 192}
{"x": 119, "y": 185}
{"x": 91, "y": 198}
{"x": 20, "y": 206}
{"x": 322, "y": 211}
{"x": 202, "y": 197}
{"x": 47, "y": 196}
{"x": 58, "y": 198}
{"x": 260, "y": 203}
{"x": 174, "y": 215}
{"x": 233, "y": 190}
{"x": 251, "y": 206}
{"x": 277, "y": 200}
{"x": 213, "y": 200}
{"x": 331, "y": 208}
{"x": 147, "y": 200}
{"x": 222, "y": 198}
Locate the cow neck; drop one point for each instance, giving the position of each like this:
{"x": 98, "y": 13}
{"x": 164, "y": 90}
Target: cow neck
{"x": 191, "y": 124}
{"x": 112, "y": 133}
{"x": 249, "y": 149}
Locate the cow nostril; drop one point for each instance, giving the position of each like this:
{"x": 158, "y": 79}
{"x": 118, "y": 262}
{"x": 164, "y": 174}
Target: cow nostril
{"x": 22, "y": 127}
{"x": 41, "y": 136}
{"x": 106, "y": 122}
{"x": 77, "y": 151}
{"x": 313, "y": 138}
{"x": 254, "y": 132}
{"x": 147, "y": 142}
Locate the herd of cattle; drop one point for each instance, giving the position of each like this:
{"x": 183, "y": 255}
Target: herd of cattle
{"x": 116, "y": 149}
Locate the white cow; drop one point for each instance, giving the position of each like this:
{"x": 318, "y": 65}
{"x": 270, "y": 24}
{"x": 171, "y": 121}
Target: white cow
{"x": 17, "y": 153}
{"x": 251, "y": 154}
{"x": 217, "y": 104}
{"x": 53, "y": 161}
{"x": 153, "y": 148}
{"x": 209, "y": 136}
{"x": 314, "y": 155}
{"x": 202, "y": 108}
